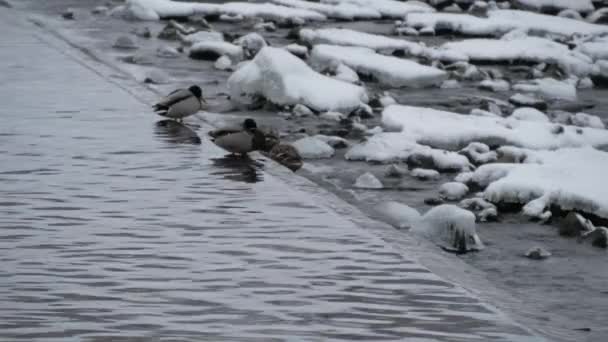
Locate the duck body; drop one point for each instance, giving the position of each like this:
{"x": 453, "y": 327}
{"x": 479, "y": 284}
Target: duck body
{"x": 286, "y": 155}
{"x": 239, "y": 141}
{"x": 180, "y": 103}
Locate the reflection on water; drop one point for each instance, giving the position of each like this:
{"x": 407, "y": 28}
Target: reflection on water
{"x": 238, "y": 168}
{"x": 176, "y": 132}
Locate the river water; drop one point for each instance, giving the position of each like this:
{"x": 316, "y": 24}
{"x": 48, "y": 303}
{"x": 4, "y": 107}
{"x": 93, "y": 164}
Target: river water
{"x": 57, "y": 220}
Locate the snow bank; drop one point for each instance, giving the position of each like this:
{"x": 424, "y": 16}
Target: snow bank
{"x": 500, "y": 22}
{"x": 284, "y": 79}
{"x": 346, "y": 37}
{"x": 168, "y": 9}
{"x": 527, "y": 49}
{"x": 571, "y": 178}
{"x": 553, "y": 6}
{"x": 391, "y": 71}
{"x": 342, "y": 10}
{"x": 451, "y": 227}
{"x": 441, "y": 129}
{"x": 388, "y": 8}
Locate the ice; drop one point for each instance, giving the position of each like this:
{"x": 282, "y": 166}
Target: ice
{"x": 313, "y": 148}
{"x": 548, "y": 88}
{"x": 529, "y": 114}
{"x": 168, "y": 8}
{"x": 451, "y": 227}
{"x": 342, "y": 10}
{"x": 583, "y": 6}
{"x": 530, "y": 49}
{"x": 398, "y": 215}
{"x": 368, "y": 181}
{"x": 201, "y": 36}
{"x": 347, "y": 37}
{"x": 284, "y": 79}
{"x": 390, "y": 71}
{"x": 500, "y": 22}
{"x": 453, "y": 191}
{"x": 446, "y": 130}
{"x": 587, "y": 120}
{"x": 388, "y": 8}
{"x": 569, "y": 178}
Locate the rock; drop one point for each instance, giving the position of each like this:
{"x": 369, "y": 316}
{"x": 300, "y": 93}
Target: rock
{"x": 464, "y": 177}
{"x": 575, "y": 225}
{"x": 433, "y": 201}
{"x": 529, "y": 114}
{"x": 427, "y": 31}
{"x": 425, "y": 174}
{"x": 395, "y": 171}
{"x": 266, "y": 26}
{"x": 201, "y": 36}
{"x": 450, "y": 227}
{"x": 537, "y": 253}
{"x": 211, "y": 51}
{"x": 488, "y": 214}
{"x": 100, "y": 10}
{"x": 251, "y": 43}
{"x": 300, "y": 51}
{"x": 143, "y": 32}
{"x": 522, "y": 100}
{"x": 479, "y": 153}
{"x": 585, "y": 83}
{"x": 125, "y": 43}
{"x": 406, "y": 31}
{"x": 398, "y": 215}
{"x": 492, "y": 107}
{"x": 313, "y": 148}
{"x": 68, "y": 14}
{"x": 368, "y": 181}
{"x": 599, "y": 17}
{"x": 570, "y": 14}
{"x": 223, "y": 63}
{"x": 138, "y": 59}
{"x": 167, "y": 52}
{"x": 453, "y": 191}
{"x": 495, "y": 85}
{"x": 598, "y": 237}
{"x": 157, "y": 76}
{"x": 484, "y": 210}
{"x": 346, "y": 74}
{"x": 479, "y": 9}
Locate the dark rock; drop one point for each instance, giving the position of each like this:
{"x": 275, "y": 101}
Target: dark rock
{"x": 395, "y": 171}
{"x": 68, "y": 14}
{"x": 294, "y": 33}
{"x": 574, "y": 225}
{"x": 557, "y": 129}
{"x": 204, "y": 54}
{"x": 4, "y": 3}
{"x": 433, "y": 201}
{"x": 142, "y": 32}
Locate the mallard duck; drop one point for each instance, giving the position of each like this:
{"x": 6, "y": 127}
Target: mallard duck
{"x": 286, "y": 155}
{"x": 181, "y": 103}
{"x": 239, "y": 140}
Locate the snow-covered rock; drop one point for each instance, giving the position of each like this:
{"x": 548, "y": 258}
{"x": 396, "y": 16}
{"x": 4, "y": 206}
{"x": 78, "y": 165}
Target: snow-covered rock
{"x": 529, "y": 114}
{"x": 599, "y": 17}
{"x": 453, "y": 191}
{"x": 167, "y": 52}
{"x": 300, "y": 110}
{"x": 212, "y": 50}
{"x": 495, "y": 85}
{"x": 568, "y": 178}
{"x": 200, "y": 36}
{"x": 333, "y": 141}
{"x": 554, "y": 6}
{"x": 391, "y": 71}
{"x": 548, "y": 88}
{"x": 451, "y": 227}
{"x": 587, "y": 120}
{"x": 332, "y": 116}
{"x": 398, "y": 215}
{"x": 284, "y": 79}
{"x": 522, "y": 100}
{"x": 425, "y": 174}
{"x": 223, "y": 63}
{"x": 346, "y": 74}
{"x": 298, "y": 50}
{"x": 537, "y": 253}
{"x": 389, "y": 8}
{"x": 479, "y": 153}
{"x": 395, "y": 171}
{"x": 251, "y": 43}
{"x": 340, "y": 10}
{"x": 156, "y": 76}
{"x": 441, "y": 129}
{"x": 347, "y": 37}
{"x": 484, "y": 210}
{"x": 368, "y": 181}
{"x": 313, "y": 148}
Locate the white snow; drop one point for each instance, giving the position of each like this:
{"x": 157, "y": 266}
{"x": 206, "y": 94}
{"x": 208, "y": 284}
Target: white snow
{"x": 596, "y": 49}
{"x": 425, "y": 174}
{"x": 313, "y": 148}
{"x": 529, "y": 114}
{"x": 388, "y": 8}
{"x": 347, "y": 37}
{"x": 441, "y": 129}
{"x": 451, "y": 227}
{"x": 479, "y": 153}
{"x": 168, "y": 8}
{"x": 500, "y": 22}
{"x": 391, "y": 71}
{"x": 398, "y": 215}
{"x": 587, "y": 120}
{"x": 570, "y": 178}
{"x": 223, "y": 63}
{"x": 346, "y": 74}
{"x": 453, "y": 191}
{"x": 368, "y": 181}
{"x": 343, "y": 10}
{"x": 284, "y": 79}
{"x": 548, "y": 88}
{"x": 531, "y": 49}
{"x": 251, "y": 43}
{"x": 583, "y": 6}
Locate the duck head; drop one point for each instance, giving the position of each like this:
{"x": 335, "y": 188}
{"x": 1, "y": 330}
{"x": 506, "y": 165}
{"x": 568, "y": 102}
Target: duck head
{"x": 198, "y": 92}
{"x": 250, "y": 125}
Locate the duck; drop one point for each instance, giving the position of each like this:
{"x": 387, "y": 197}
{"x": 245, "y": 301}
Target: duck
{"x": 181, "y": 103}
{"x": 240, "y": 140}
{"x": 286, "y": 155}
